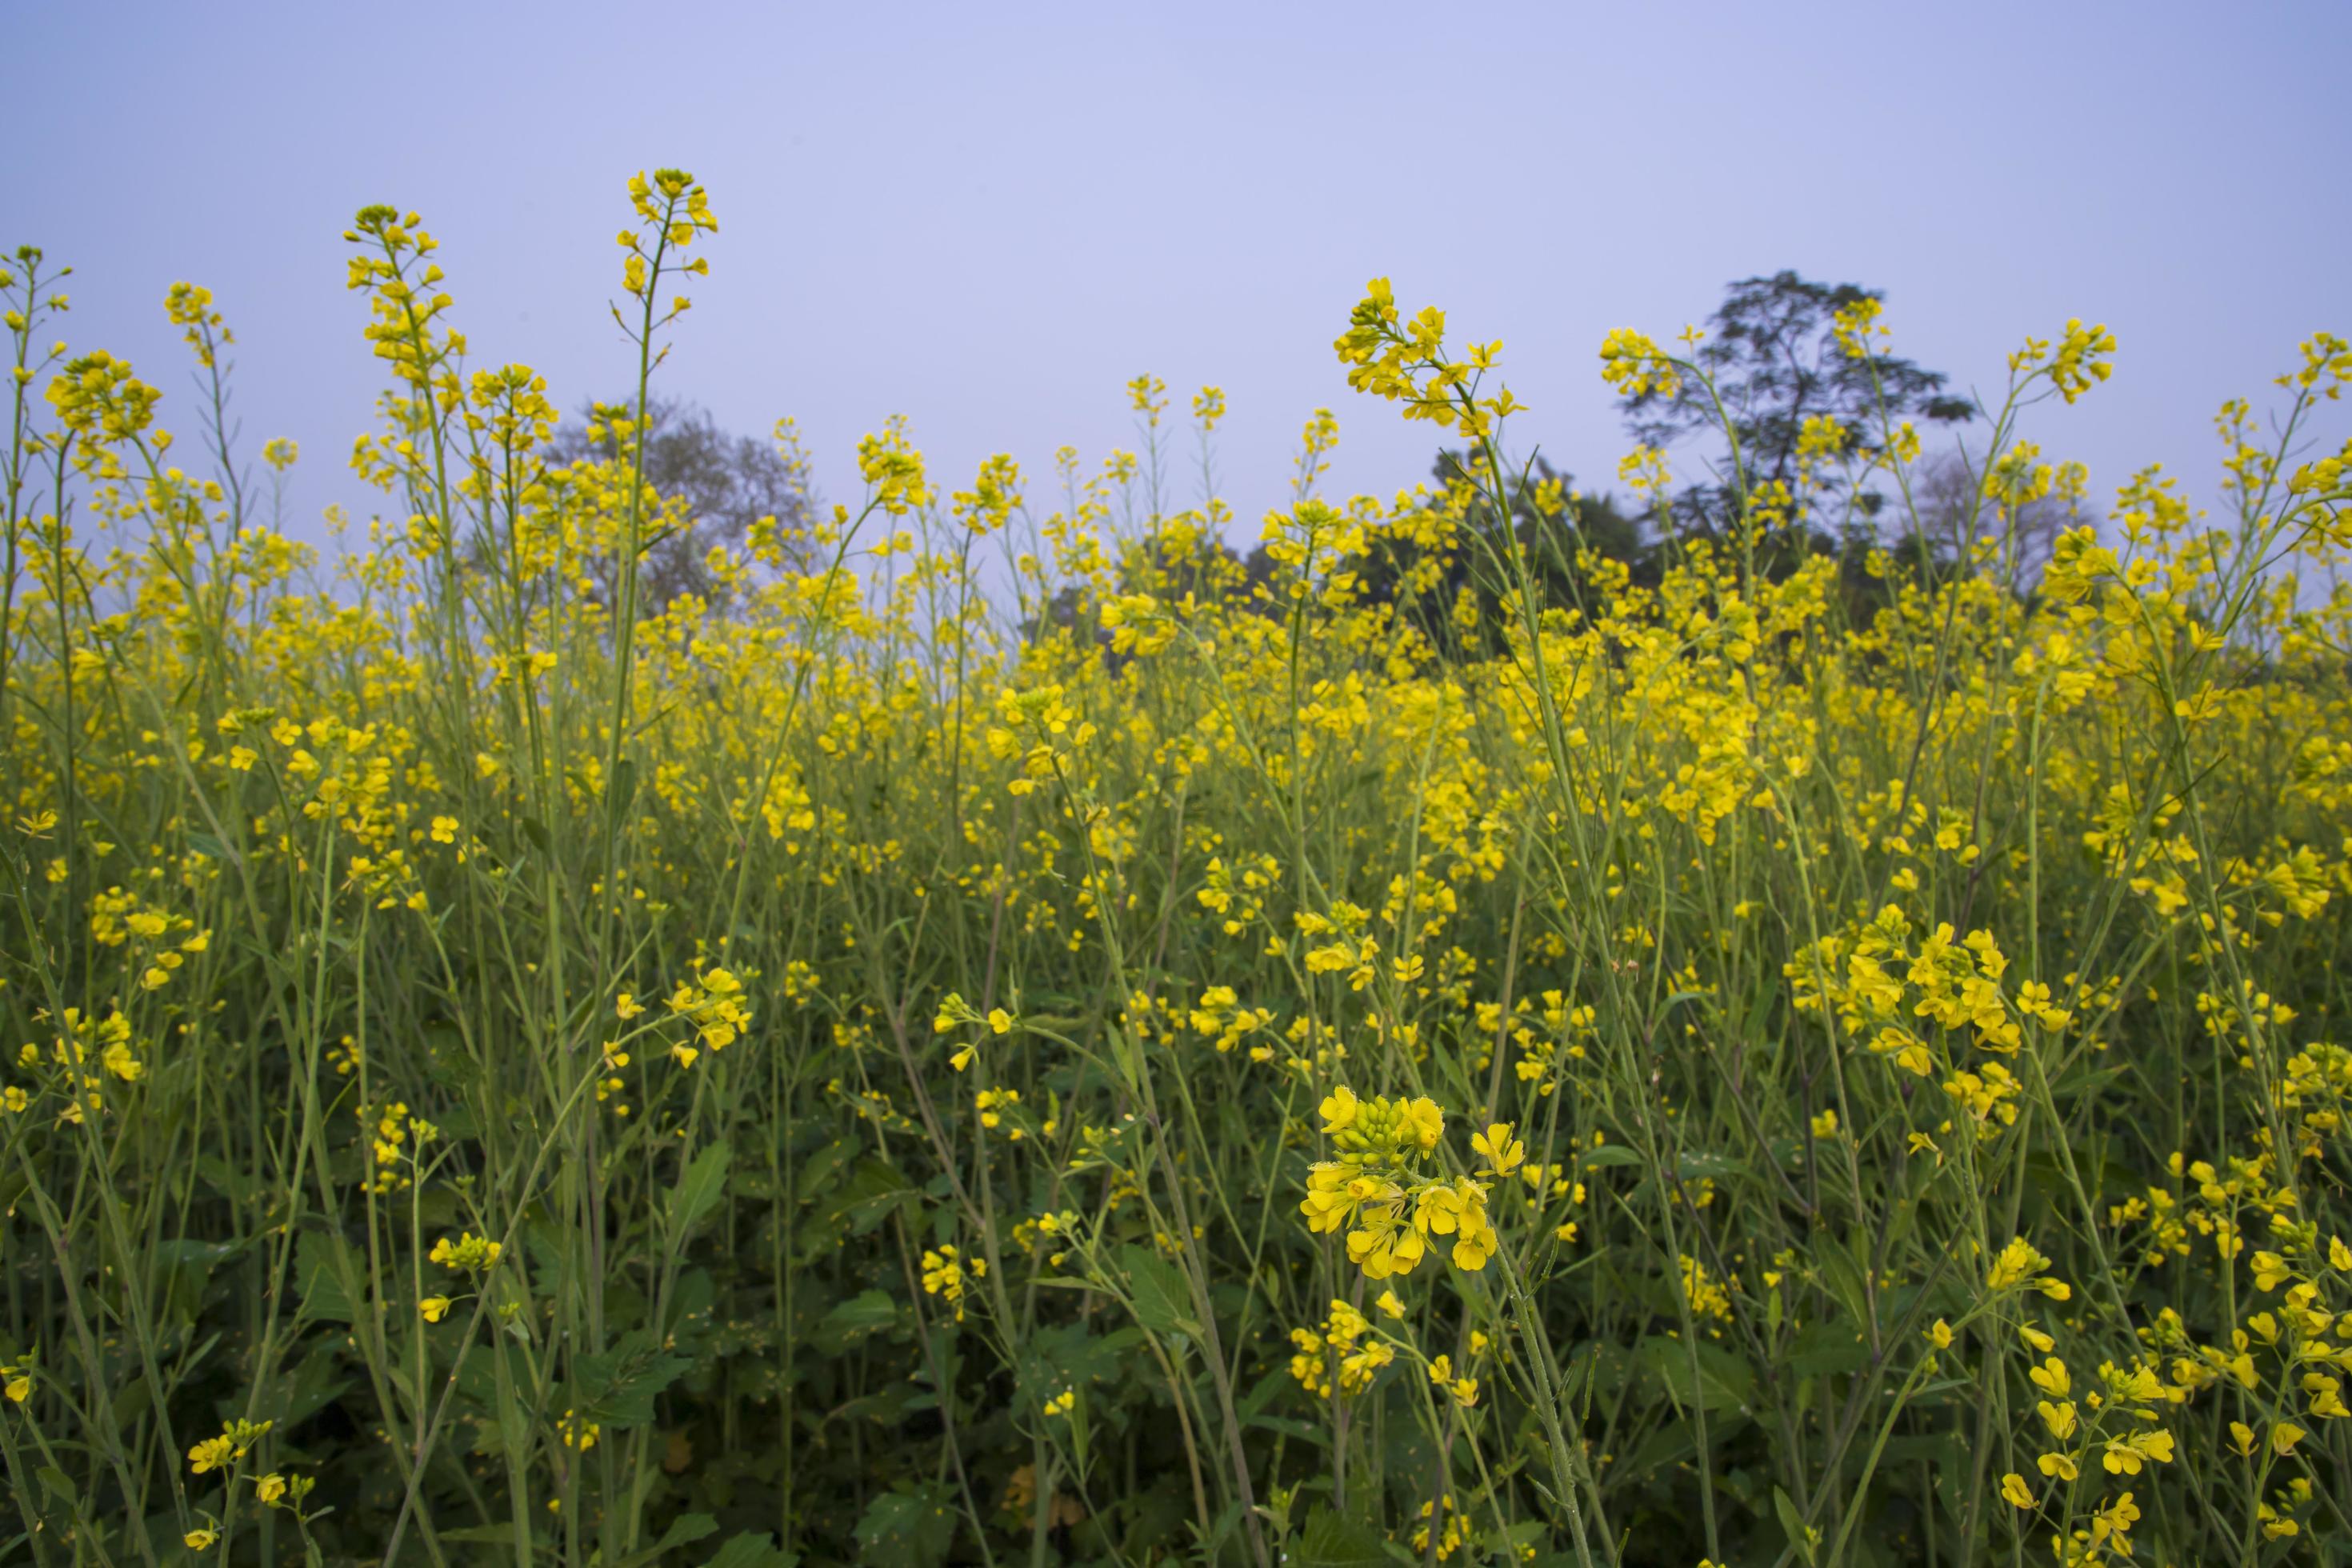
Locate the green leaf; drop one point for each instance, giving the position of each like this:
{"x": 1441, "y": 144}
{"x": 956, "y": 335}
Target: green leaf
{"x": 229, "y": 1181}
{"x": 1163, "y": 1302}
{"x": 620, "y": 1385}
{"x": 1698, "y": 1166}
{"x": 1725, "y": 1382}
{"x": 184, "y": 1268}
{"x": 912, "y": 1525}
{"x": 1794, "y": 1522}
{"x": 817, "y": 1175}
{"x": 1303, "y": 1431}
{"x": 321, "y": 1293}
{"x": 1334, "y": 1540}
{"x": 60, "y": 1485}
{"x": 1827, "y": 1347}
{"x": 1067, "y": 1355}
{"x": 868, "y": 1312}
{"x": 624, "y": 789}
{"x": 688, "y": 1529}
{"x": 132, "y": 1401}
{"x": 1758, "y": 1011}
{"x": 1673, "y": 1444}
{"x": 1514, "y": 1543}
{"x": 700, "y": 1188}
{"x": 691, "y": 1311}
{"x": 873, "y": 1192}
{"x": 1611, "y": 1367}
{"x": 210, "y": 848}
{"x": 1842, "y": 1278}
{"x": 1610, "y": 1154}
{"x": 751, "y": 1551}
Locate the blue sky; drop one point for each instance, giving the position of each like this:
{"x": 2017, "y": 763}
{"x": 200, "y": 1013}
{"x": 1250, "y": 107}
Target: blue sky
{"x": 990, "y": 217}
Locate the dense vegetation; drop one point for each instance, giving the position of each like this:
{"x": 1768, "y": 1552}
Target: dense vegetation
{"x": 968, "y": 1029}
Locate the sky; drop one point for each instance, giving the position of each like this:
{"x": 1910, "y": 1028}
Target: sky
{"x": 991, "y": 218}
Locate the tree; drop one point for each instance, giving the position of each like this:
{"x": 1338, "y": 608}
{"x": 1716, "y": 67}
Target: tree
{"x": 1555, "y": 526}
{"x": 1169, "y": 563}
{"x": 1773, "y": 353}
{"x": 728, "y": 482}
{"x": 1946, "y": 498}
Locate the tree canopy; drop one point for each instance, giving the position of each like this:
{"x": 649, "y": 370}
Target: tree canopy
{"x": 726, "y": 483}
{"x": 1773, "y": 354}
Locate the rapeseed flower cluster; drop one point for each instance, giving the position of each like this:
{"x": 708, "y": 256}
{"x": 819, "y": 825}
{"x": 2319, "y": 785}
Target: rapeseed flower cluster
{"x": 1371, "y": 1193}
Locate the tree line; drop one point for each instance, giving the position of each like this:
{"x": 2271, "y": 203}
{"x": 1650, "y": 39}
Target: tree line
{"x": 1775, "y": 363}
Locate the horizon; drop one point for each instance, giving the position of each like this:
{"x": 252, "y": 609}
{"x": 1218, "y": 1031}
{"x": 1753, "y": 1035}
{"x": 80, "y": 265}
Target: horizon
{"x": 1070, "y": 204}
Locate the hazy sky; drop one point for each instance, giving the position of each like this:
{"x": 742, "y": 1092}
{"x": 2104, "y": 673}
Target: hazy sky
{"x": 990, "y": 217}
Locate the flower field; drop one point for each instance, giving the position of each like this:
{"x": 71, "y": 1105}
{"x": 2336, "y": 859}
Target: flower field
{"x": 996, "y": 1030}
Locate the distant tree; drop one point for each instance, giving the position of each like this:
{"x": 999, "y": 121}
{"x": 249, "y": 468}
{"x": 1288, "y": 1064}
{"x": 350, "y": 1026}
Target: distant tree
{"x": 1556, "y": 526}
{"x": 1947, "y": 492}
{"x": 1553, "y": 536}
{"x": 727, "y": 481}
{"x": 1168, "y": 566}
{"x": 1777, "y": 363}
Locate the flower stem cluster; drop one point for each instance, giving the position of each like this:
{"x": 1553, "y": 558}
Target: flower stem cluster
{"x": 1372, "y": 1191}
{"x": 1406, "y": 363}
